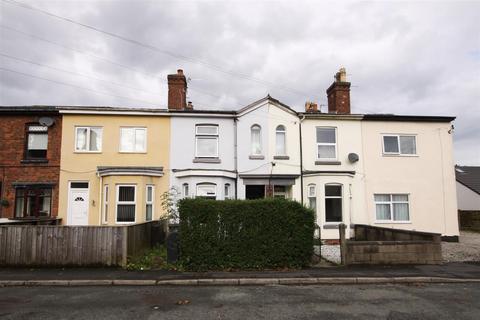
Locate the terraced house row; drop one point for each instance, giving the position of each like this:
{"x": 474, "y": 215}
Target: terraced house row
{"x": 109, "y": 166}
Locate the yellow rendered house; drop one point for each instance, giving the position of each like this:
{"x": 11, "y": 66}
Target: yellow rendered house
{"x": 114, "y": 165}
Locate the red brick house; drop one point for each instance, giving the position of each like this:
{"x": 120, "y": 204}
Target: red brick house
{"x": 30, "y": 140}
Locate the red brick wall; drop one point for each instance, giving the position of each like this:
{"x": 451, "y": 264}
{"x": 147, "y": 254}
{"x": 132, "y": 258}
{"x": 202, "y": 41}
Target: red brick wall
{"x": 12, "y": 146}
{"x": 339, "y": 98}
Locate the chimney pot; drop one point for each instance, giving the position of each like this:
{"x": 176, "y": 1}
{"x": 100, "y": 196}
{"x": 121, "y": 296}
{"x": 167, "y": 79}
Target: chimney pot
{"x": 311, "y": 107}
{"x": 180, "y": 72}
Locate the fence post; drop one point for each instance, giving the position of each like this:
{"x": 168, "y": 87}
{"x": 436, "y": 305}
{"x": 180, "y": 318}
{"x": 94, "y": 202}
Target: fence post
{"x": 124, "y": 246}
{"x": 343, "y": 243}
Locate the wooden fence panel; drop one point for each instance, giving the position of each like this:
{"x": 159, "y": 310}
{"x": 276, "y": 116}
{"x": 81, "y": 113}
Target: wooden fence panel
{"x": 45, "y": 245}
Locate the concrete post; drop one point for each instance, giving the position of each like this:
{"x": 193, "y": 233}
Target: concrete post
{"x": 343, "y": 243}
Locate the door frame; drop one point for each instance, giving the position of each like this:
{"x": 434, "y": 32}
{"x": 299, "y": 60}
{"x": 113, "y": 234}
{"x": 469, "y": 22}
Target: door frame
{"x": 69, "y": 207}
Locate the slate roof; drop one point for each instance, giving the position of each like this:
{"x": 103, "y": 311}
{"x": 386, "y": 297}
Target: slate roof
{"x": 469, "y": 176}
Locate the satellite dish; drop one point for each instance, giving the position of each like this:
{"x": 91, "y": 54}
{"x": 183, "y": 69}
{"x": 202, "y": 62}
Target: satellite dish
{"x": 353, "y": 157}
{"x": 46, "y": 121}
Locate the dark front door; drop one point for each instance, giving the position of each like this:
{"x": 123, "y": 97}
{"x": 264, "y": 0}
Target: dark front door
{"x": 254, "y": 192}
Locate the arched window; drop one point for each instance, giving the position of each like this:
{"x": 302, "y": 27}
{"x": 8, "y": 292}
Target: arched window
{"x": 185, "y": 190}
{"x": 207, "y": 190}
{"x": 333, "y": 203}
{"x": 227, "y": 191}
{"x": 256, "y": 139}
{"x": 280, "y": 133}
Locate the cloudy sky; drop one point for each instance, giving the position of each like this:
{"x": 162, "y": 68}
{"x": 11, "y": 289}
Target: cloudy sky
{"x": 401, "y": 57}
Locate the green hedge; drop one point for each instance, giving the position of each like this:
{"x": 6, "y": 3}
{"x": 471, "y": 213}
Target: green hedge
{"x": 245, "y": 234}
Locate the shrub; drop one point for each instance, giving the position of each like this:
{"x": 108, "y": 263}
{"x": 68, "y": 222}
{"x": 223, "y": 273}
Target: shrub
{"x": 245, "y": 234}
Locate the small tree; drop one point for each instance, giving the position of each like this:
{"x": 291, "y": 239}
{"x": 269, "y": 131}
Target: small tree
{"x": 168, "y": 202}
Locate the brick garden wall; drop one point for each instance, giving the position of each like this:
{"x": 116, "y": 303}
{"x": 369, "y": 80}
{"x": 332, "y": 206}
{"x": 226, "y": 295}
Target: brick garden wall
{"x": 14, "y": 170}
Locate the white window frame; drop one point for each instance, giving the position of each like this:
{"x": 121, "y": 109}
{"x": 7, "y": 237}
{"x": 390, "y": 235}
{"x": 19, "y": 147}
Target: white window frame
{"x": 284, "y": 131}
{"x": 134, "y": 202}
{"x": 227, "y": 189}
{"x": 206, "y": 184}
{"x": 399, "y": 153}
{"x": 106, "y": 200}
{"x": 326, "y": 144}
{"x": 259, "y": 128}
{"x": 333, "y": 197}
{"x": 144, "y": 149}
{"x": 151, "y": 202}
{"x": 87, "y": 144}
{"x": 185, "y": 190}
{"x": 310, "y": 195}
{"x": 391, "y": 202}
{"x": 212, "y": 136}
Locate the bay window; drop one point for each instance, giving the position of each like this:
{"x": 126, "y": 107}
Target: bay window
{"x": 207, "y": 190}
{"x": 126, "y": 204}
{"x": 312, "y": 197}
{"x": 333, "y": 203}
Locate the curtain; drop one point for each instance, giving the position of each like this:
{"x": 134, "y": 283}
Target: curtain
{"x": 281, "y": 143}
{"x": 81, "y": 139}
{"x": 390, "y": 144}
{"x": 383, "y": 211}
{"x": 407, "y": 145}
{"x": 255, "y": 135}
{"x": 37, "y": 141}
{"x": 400, "y": 212}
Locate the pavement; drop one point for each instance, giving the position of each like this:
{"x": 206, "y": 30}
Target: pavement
{"x": 448, "y": 272}
{"x": 393, "y": 302}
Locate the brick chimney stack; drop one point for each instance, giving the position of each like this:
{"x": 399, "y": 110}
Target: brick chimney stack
{"x": 339, "y": 94}
{"x": 177, "y": 91}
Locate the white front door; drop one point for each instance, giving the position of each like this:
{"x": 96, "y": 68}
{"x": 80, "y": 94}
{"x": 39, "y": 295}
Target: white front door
{"x": 78, "y": 206}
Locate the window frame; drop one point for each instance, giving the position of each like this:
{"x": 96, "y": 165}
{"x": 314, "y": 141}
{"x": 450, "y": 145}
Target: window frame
{"x": 185, "y": 186}
{"x": 149, "y": 202}
{"x": 117, "y": 202}
{"x": 333, "y": 197}
{"x": 36, "y": 190}
{"x": 211, "y": 136}
{"x": 134, "y": 128}
{"x": 252, "y": 128}
{"x": 227, "y": 188}
{"x": 399, "y": 153}
{"x": 311, "y": 196}
{"x": 27, "y": 136}
{"x": 326, "y": 144}
{"x": 87, "y": 150}
{"x": 200, "y": 184}
{"x": 391, "y": 202}
{"x": 284, "y": 131}
{"x": 106, "y": 203}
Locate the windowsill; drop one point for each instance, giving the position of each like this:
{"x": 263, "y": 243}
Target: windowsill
{"x": 399, "y": 155}
{"x": 87, "y": 152}
{"x": 34, "y": 161}
{"x": 256, "y": 157}
{"x": 206, "y": 160}
{"x": 132, "y": 222}
{"x": 331, "y": 225}
{"x": 132, "y": 151}
{"x": 392, "y": 222}
{"x": 327, "y": 163}
{"x": 281, "y": 158}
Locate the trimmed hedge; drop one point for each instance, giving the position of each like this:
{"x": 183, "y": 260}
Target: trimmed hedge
{"x": 245, "y": 234}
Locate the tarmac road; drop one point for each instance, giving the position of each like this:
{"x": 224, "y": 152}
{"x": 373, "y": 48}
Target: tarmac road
{"x": 421, "y": 301}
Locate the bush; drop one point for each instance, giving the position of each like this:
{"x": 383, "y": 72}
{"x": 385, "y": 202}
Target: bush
{"x": 245, "y": 234}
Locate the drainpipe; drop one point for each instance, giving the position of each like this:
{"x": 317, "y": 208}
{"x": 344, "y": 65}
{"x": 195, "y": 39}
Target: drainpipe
{"x": 235, "y": 157}
{"x": 301, "y": 158}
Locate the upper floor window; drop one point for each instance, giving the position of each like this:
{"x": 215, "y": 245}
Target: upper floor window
{"x": 399, "y": 144}
{"x": 88, "y": 139}
{"x": 256, "y": 137}
{"x": 37, "y": 142}
{"x": 392, "y": 207}
{"x": 207, "y": 190}
{"x": 333, "y": 203}
{"x": 280, "y": 147}
{"x": 206, "y": 141}
{"x": 133, "y": 139}
{"x": 326, "y": 143}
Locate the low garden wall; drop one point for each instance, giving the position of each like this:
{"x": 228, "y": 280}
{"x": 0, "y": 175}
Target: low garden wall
{"x": 376, "y": 245}
{"x": 244, "y": 234}
{"x": 469, "y": 220}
